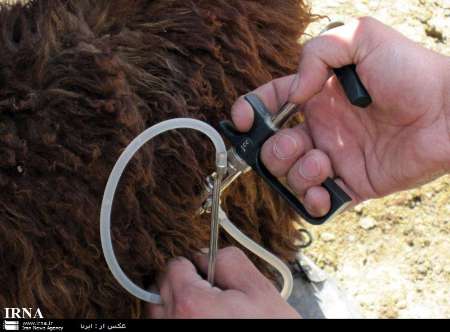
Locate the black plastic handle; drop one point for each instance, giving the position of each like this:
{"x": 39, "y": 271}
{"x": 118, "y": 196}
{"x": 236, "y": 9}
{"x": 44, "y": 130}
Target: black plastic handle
{"x": 248, "y": 146}
{"x": 352, "y": 85}
{"x": 349, "y": 79}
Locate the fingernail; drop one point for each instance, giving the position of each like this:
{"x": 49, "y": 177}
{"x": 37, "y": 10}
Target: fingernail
{"x": 284, "y": 147}
{"x": 204, "y": 251}
{"x": 309, "y": 168}
{"x": 322, "y": 211}
{"x": 294, "y": 85}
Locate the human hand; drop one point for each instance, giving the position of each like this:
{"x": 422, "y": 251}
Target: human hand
{"x": 398, "y": 142}
{"x": 241, "y": 290}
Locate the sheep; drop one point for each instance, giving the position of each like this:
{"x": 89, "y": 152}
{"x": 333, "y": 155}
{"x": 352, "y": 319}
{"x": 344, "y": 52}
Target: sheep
{"x": 79, "y": 79}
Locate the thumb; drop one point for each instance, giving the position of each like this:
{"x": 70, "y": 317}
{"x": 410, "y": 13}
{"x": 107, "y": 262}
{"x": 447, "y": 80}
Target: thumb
{"x": 335, "y": 48}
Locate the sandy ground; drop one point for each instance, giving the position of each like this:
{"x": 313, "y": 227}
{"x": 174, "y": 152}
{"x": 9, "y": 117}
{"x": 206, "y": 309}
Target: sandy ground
{"x": 393, "y": 254}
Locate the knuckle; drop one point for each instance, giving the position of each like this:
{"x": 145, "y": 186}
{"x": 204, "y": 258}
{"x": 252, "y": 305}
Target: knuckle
{"x": 176, "y": 265}
{"x": 366, "y": 22}
{"x": 239, "y": 103}
{"x": 321, "y": 159}
{"x": 310, "y": 170}
{"x": 310, "y": 46}
{"x": 240, "y": 99}
{"x": 235, "y": 109}
{"x": 184, "y": 303}
{"x": 269, "y": 157}
{"x": 316, "y": 153}
{"x": 286, "y": 145}
{"x": 295, "y": 182}
{"x": 319, "y": 156}
{"x": 314, "y": 47}
{"x": 267, "y": 287}
{"x": 267, "y": 148}
{"x": 232, "y": 253}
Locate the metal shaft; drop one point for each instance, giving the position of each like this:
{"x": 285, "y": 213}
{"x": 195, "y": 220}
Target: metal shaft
{"x": 214, "y": 237}
{"x": 285, "y": 113}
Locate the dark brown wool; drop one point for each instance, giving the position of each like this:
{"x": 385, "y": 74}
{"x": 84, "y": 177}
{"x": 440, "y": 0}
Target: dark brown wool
{"x": 79, "y": 79}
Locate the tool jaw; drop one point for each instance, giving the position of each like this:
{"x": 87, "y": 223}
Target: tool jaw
{"x": 235, "y": 167}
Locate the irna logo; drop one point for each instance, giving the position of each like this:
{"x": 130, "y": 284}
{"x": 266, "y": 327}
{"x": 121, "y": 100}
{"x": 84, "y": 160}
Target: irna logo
{"x": 23, "y": 313}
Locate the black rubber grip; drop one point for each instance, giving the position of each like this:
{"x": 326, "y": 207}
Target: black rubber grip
{"x": 352, "y": 85}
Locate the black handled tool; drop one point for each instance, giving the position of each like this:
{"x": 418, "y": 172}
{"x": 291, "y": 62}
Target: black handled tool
{"x": 247, "y": 146}
{"x": 247, "y": 149}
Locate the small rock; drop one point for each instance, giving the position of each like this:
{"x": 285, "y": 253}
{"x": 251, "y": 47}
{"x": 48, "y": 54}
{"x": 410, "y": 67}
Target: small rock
{"x": 434, "y": 32}
{"x": 447, "y": 208}
{"x": 422, "y": 269}
{"x": 408, "y": 231}
{"x": 402, "y": 304}
{"x": 328, "y": 237}
{"x": 368, "y": 223}
{"x": 387, "y": 228}
{"x": 415, "y": 201}
{"x": 426, "y": 243}
{"x": 359, "y": 208}
{"x": 447, "y": 270}
{"x": 371, "y": 251}
{"x": 420, "y": 260}
{"x": 20, "y": 169}
{"x": 351, "y": 238}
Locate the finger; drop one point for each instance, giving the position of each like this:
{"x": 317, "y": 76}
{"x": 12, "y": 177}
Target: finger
{"x": 155, "y": 311}
{"x": 273, "y": 94}
{"x": 335, "y": 48}
{"x": 180, "y": 274}
{"x": 235, "y": 271}
{"x": 179, "y": 286}
{"x": 317, "y": 201}
{"x": 309, "y": 171}
{"x": 281, "y": 151}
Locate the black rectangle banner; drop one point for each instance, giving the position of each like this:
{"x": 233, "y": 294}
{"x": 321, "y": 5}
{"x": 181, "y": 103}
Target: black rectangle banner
{"x": 56, "y": 325}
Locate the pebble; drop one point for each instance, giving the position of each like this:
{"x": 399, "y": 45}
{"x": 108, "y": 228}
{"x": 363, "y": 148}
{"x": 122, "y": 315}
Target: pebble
{"x": 368, "y": 223}
{"x": 426, "y": 243}
{"x": 402, "y": 304}
{"x": 328, "y": 237}
{"x": 422, "y": 269}
{"x": 447, "y": 270}
{"x": 408, "y": 231}
{"x": 447, "y": 208}
{"x": 359, "y": 208}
